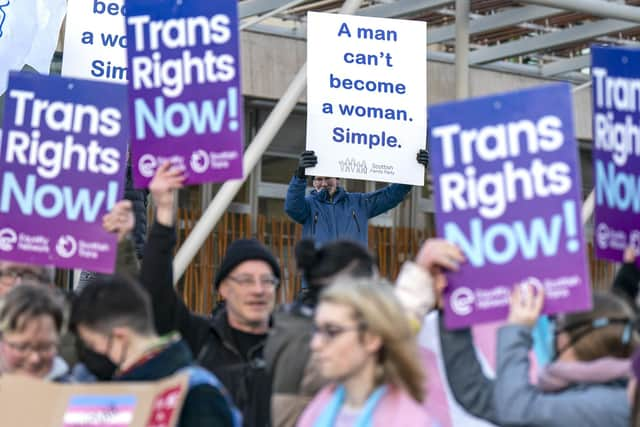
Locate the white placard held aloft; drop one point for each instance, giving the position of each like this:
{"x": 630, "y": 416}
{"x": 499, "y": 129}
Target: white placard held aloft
{"x": 95, "y": 41}
{"x": 366, "y": 97}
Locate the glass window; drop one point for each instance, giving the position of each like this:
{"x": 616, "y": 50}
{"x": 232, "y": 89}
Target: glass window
{"x": 271, "y": 208}
{"x": 291, "y": 138}
{"x": 278, "y": 169}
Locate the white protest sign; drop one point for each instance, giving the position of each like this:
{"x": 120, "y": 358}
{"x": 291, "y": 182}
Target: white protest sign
{"x": 28, "y": 35}
{"x": 366, "y": 97}
{"x": 95, "y": 42}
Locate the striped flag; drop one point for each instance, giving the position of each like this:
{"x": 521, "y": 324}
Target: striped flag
{"x": 100, "y": 411}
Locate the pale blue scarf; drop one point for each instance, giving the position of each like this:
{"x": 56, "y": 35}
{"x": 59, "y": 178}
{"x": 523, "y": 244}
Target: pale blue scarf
{"x": 330, "y": 413}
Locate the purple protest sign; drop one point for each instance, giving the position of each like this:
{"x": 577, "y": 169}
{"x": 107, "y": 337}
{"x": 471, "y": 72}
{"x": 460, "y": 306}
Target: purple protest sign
{"x": 616, "y": 150}
{"x": 507, "y": 184}
{"x": 63, "y": 157}
{"x": 184, "y": 88}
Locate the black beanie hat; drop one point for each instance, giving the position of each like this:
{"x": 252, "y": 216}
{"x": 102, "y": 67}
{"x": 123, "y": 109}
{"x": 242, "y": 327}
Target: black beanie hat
{"x": 245, "y": 250}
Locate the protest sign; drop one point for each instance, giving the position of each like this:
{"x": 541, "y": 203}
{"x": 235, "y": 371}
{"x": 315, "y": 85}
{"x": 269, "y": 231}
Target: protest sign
{"x": 28, "y": 35}
{"x": 184, "y": 89}
{"x": 95, "y": 43}
{"x": 366, "y": 97}
{"x": 507, "y": 184}
{"x": 114, "y": 404}
{"x": 616, "y": 150}
{"x": 62, "y": 158}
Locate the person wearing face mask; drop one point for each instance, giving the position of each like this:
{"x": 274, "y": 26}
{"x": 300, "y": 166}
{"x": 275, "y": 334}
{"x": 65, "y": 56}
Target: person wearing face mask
{"x": 113, "y": 317}
{"x": 364, "y": 346}
{"x": 31, "y": 319}
{"x": 330, "y": 212}
{"x": 119, "y": 221}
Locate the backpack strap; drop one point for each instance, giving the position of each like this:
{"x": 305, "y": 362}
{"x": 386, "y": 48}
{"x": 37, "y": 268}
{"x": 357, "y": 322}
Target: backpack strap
{"x": 200, "y": 376}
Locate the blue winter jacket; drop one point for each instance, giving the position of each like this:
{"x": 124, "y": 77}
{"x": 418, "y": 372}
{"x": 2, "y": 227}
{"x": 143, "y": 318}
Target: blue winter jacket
{"x": 343, "y": 217}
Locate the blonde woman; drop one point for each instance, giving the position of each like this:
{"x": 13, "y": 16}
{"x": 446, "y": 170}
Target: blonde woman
{"x": 364, "y": 345}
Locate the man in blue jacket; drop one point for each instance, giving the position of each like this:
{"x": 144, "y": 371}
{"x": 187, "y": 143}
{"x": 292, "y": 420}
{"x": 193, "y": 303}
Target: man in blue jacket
{"x": 332, "y": 213}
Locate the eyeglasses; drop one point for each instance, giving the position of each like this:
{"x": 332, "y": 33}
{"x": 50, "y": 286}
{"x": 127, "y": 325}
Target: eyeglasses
{"x": 246, "y": 281}
{"x": 331, "y": 332}
{"x": 12, "y": 274}
{"x": 45, "y": 348}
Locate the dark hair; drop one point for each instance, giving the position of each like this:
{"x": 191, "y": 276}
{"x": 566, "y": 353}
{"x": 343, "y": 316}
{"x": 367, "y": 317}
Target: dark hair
{"x": 320, "y": 265}
{"x": 28, "y": 301}
{"x": 111, "y": 301}
{"x": 607, "y": 330}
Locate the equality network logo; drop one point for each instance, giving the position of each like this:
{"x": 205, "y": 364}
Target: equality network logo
{"x": 3, "y": 13}
{"x": 8, "y": 239}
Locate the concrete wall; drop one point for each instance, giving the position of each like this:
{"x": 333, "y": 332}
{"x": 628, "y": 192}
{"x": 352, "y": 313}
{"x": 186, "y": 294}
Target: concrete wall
{"x": 270, "y": 62}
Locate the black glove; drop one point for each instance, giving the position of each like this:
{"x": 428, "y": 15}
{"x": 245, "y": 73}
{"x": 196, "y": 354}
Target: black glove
{"x": 423, "y": 157}
{"x": 308, "y": 159}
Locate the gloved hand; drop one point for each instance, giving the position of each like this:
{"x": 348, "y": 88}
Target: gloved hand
{"x": 423, "y": 157}
{"x": 308, "y": 159}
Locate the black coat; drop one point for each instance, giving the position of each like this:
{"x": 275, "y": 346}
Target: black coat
{"x": 138, "y": 199}
{"x": 210, "y": 339}
{"x": 204, "y": 405}
{"x": 626, "y": 282}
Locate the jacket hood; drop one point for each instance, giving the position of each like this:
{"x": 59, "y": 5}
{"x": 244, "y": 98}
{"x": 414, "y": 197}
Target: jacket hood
{"x": 174, "y": 356}
{"x": 58, "y": 369}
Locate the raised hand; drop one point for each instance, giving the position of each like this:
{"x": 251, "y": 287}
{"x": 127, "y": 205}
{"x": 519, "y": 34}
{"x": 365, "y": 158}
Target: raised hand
{"x": 308, "y": 159}
{"x": 438, "y": 256}
{"x": 629, "y": 254}
{"x": 526, "y": 304}
{"x": 120, "y": 219}
{"x": 423, "y": 157}
{"x": 166, "y": 181}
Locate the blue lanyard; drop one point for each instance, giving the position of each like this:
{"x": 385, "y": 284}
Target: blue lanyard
{"x": 330, "y": 414}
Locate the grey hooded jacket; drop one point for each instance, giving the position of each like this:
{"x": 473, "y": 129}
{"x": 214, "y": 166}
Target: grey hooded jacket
{"x": 510, "y": 400}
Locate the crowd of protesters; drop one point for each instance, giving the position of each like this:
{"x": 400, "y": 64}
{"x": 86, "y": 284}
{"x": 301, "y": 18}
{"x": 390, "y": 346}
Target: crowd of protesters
{"x": 344, "y": 353}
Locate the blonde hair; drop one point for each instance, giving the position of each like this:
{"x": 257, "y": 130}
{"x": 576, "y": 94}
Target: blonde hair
{"x": 377, "y": 308}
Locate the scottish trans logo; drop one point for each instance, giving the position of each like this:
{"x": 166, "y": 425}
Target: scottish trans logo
{"x": 3, "y": 14}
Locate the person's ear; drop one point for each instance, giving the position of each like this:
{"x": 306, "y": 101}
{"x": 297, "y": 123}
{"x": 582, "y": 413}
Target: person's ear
{"x": 121, "y": 333}
{"x": 223, "y": 289}
{"x": 372, "y": 342}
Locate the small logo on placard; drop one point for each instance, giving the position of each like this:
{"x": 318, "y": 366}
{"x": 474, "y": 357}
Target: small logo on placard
{"x": 351, "y": 165}
{"x": 199, "y": 161}
{"x": 602, "y": 235}
{"x": 462, "y": 300}
{"x": 147, "y": 165}
{"x": 66, "y": 246}
{"x": 8, "y": 238}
